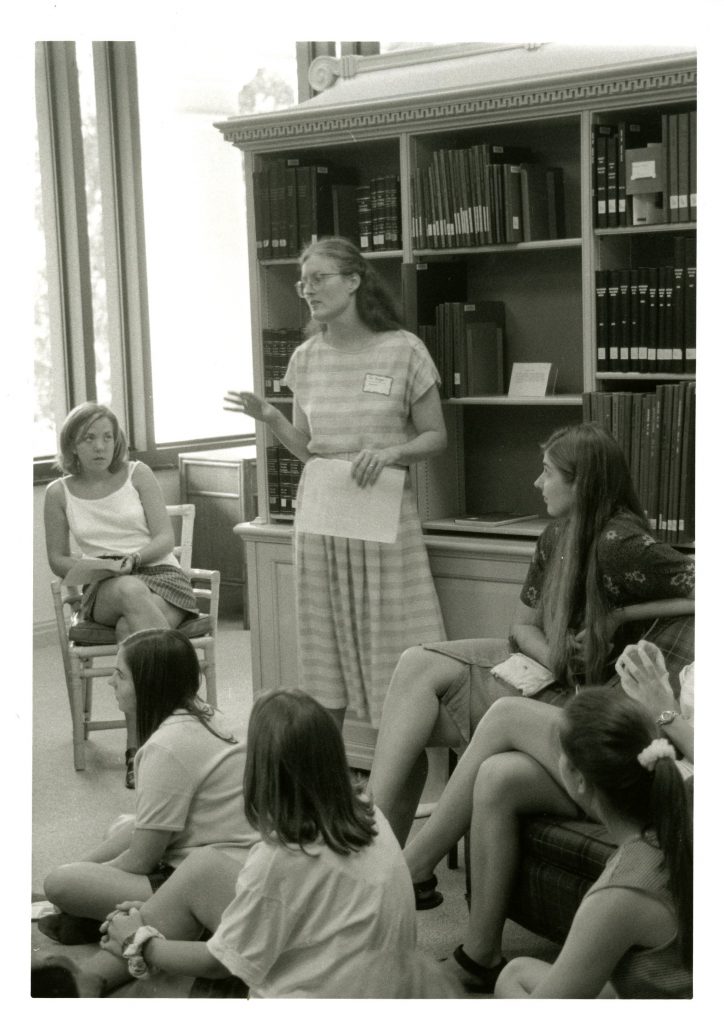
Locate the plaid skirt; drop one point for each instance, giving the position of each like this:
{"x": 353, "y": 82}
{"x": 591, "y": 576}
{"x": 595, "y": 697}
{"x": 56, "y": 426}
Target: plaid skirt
{"x": 167, "y": 581}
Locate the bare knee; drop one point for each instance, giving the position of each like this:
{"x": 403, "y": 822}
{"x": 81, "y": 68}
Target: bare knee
{"x": 62, "y": 883}
{"x": 421, "y": 670}
{"x": 501, "y": 785}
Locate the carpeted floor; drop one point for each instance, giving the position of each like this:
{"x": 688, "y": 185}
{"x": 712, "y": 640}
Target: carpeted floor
{"x": 71, "y": 810}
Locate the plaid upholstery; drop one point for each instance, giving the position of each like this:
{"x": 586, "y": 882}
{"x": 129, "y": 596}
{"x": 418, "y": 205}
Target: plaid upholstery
{"x": 561, "y": 859}
{"x": 86, "y": 633}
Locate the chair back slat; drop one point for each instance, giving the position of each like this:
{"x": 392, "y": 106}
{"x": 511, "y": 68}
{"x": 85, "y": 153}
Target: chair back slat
{"x": 183, "y": 550}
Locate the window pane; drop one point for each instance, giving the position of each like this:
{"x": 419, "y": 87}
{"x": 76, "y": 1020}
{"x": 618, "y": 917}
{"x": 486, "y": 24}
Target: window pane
{"x": 44, "y": 442}
{"x": 195, "y": 223}
{"x": 94, "y": 208}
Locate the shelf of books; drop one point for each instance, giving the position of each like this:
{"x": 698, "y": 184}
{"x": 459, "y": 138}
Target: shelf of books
{"x": 547, "y": 229}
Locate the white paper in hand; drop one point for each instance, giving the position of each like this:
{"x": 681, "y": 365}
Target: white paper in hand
{"x": 336, "y": 506}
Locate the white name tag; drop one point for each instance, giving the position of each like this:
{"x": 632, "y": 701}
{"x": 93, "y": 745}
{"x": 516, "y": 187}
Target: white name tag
{"x": 375, "y": 384}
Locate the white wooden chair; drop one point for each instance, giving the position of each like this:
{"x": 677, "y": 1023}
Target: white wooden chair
{"x": 83, "y": 642}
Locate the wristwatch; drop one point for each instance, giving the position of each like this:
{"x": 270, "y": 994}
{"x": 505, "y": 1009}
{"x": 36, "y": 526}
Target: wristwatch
{"x": 667, "y": 717}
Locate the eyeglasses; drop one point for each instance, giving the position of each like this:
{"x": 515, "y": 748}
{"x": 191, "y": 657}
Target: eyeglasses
{"x": 314, "y": 281}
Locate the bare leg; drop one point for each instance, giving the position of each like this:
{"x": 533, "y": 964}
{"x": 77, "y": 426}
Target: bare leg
{"x": 193, "y": 898}
{"x": 412, "y": 719}
{"x": 512, "y": 723}
{"x": 508, "y": 786}
{"x": 86, "y": 889}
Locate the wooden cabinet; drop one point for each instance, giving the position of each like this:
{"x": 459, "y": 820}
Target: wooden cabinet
{"x": 222, "y": 486}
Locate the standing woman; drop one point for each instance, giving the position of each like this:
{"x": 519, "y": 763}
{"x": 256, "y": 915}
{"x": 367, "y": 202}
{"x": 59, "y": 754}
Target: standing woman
{"x": 366, "y": 391}
{"x": 111, "y": 506}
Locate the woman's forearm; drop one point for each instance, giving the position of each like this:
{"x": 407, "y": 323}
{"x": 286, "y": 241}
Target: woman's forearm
{"x": 183, "y": 957}
{"x": 289, "y": 435}
{"x": 668, "y": 607}
{"x": 531, "y": 641}
{"x": 426, "y": 444}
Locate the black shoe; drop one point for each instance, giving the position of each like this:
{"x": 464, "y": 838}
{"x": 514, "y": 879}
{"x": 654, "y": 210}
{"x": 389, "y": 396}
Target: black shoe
{"x": 483, "y": 978}
{"x": 130, "y": 772}
{"x": 219, "y": 988}
{"x": 69, "y": 930}
{"x": 426, "y": 895}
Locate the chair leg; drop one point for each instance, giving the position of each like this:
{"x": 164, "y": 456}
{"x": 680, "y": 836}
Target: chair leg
{"x": 452, "y": 857}
{"x": 87, "y": 704}
{"x": 76, "y": 711}
{"x": 210, "y": 672}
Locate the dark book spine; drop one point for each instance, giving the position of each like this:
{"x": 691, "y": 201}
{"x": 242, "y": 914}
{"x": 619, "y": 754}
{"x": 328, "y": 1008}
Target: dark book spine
{"x": 682, "y": 125}
{"x": 685, "y": 526}
{"x": 669, "y": 361}
{"x": 601, "y": 132}
{"x": 364, "y": 217}
{"x": 265, "y": 222}
{"x": 624, "y": 350}
{"x": 304, "y": 204}
{"x": 602, "y": 320}
{"x": 272, "y": 468}
{"x": 690, "y": 307}
{"x": 672, "y": 164}
{"x": 653, "y": 319}
{"x": 634, "y": 319}
{"x": 661, "y": 362}
{"x": 692, "y": 165}
{"x": 614, "y": 319}
{"x": 677, "y": 418}
{"x": 677, "y": 306}
{"x": 643, "y": 305}
{"x": 612, "y": 179}
{"x": 292, "y": 217}
{"x": 665, "y": 169}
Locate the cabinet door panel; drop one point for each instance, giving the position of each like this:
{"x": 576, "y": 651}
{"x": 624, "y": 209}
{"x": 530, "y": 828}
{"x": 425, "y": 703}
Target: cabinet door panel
{"x": 277, "y": 625}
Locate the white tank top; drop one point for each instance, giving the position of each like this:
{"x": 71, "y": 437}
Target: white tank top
{"x": 110, "y": 525}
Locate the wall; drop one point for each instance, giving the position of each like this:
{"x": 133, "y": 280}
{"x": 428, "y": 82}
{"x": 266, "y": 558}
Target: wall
{"x": 43, "y": 614}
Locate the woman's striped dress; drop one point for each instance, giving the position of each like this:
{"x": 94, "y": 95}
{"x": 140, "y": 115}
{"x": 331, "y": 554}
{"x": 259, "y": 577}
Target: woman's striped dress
{"x": 360, "y": 604}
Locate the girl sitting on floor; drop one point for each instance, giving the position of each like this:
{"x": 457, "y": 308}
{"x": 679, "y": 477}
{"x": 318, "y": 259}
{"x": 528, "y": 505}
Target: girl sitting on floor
{"x": 323, "y": 906}
{"x": 634, "y": 926}
{"x": 189, "y": 769}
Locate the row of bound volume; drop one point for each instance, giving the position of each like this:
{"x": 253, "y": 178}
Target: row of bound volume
{"x": 485, "y": 194}
{"x": 645, "y": 172}
{"x": 466, "y": 344}
{"x": 278, "y": 343}
{"x": 296, "y": 203}
{"x": 283, "y": 473}
{"x": 646, "y": 316}
{"x": 656, "y": 431}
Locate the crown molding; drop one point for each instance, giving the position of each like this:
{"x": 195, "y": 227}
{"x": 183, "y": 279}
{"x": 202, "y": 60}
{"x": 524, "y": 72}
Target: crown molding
{"x": 384, "y": 117}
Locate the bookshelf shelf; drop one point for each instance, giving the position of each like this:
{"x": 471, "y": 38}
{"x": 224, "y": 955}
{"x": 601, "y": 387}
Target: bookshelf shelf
{"x": 544, "y": 400}
{"x": 547, "y": 244}
{"x": 645, "y": 376}
{"x": 647, "y": 229}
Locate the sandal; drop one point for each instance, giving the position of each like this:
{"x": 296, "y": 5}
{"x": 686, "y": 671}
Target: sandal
{"x": 426, "y": 895}
{"x": 485, "y": 977}
{"x": 69, "y": 930}
{"x": 130, "y": 770}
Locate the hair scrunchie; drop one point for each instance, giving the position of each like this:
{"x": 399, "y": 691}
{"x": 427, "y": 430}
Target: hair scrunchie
{"x": 657, "y": 749}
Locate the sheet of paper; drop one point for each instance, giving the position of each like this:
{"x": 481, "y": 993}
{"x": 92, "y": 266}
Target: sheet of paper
{"x": 335, "y": 505}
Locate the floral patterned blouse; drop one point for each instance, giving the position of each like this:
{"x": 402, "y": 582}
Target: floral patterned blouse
{"x": 635, "y": 567}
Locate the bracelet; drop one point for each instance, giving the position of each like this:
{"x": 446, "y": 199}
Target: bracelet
{"x": 132, "y": 951}
{"x": 136, "y": 560}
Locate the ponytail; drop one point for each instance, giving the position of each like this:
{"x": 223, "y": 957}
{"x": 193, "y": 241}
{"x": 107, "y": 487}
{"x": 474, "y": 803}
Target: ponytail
{"x": 612, "y": 740}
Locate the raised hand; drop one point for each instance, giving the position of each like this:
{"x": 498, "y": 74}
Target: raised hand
{"x": 248, "y": 403}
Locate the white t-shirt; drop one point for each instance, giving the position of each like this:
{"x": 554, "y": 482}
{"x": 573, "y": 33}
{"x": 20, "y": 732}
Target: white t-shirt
{"x": 301, "y": 922}
{"x": 189, "y": 782}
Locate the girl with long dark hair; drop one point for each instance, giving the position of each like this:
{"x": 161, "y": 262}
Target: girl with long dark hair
{"x": 189, "y": 794}
{"x": 597, "y": 581}
{"x": 633, "y": 928}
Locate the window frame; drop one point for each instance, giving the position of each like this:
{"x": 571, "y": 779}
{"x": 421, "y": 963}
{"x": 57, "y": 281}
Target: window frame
{"x": 67, "y": 247}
